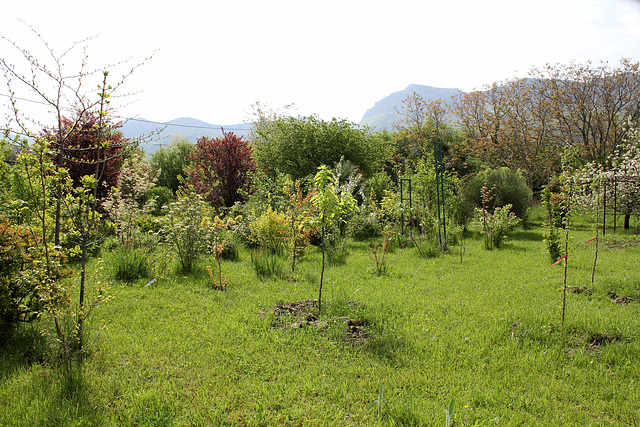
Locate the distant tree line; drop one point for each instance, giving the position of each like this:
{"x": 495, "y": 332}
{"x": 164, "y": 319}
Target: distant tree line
{"x": 526, "y": 123}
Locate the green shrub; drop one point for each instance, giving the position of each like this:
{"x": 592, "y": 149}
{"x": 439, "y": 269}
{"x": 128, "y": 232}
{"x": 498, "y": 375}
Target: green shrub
{"x": 378, "y": 252}
{"x": 269, "y": 231}
{"x": 555, "y": 204}
{"x": 378, "y": 184}
{"x": 496, "y": 226}
{"x": 162, "y": 196}
{"x": 130, "y": 265}
{"x": 230, "y": 251}
{"x": 507, "y": 187}
{"x": 186, "y": 229}
{"x": 426, "y": 246}
{"x": 29, "y": 283}
{"x": 553, "y": 244}
{"x": 146, "y": 224}
{"x": 366, "y": 224}
{"x": 336, "y": 250}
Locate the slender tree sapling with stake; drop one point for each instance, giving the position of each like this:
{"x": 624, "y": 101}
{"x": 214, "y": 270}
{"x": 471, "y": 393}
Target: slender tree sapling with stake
{"x": 569, "y": 162}
{"x": 331, "y": 207}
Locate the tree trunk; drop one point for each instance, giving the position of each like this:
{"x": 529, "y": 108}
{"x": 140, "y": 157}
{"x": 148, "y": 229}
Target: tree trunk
{"x": 321, "y": 274}
{"x": 83, "y": 271}
{"x": 627, "y": 219}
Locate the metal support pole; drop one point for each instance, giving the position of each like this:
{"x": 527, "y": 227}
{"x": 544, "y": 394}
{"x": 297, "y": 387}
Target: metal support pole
{"x": 604, "y": 209}
{"x": 442, "y": 227}
{"x": 402, "y": 198}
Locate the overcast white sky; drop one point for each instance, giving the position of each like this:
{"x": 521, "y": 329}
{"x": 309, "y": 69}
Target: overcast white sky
{"x": 334, "y": 58}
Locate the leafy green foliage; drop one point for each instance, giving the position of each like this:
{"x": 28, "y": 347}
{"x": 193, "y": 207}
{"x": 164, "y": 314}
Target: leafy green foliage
{"x": 378, "y": 183}
{"x": 297, "y": 146}
{"x": 495, "y": 227}
{"x": 267, "y": 264}
{"x": 185, "y": 228}
{"x": 29, "y": 284}
{"x": 378, "y": 252}
{"x": 509, "y": 188}
{"x": 172, "y": 163}
{"x": 552, "y": 242}
{"x": 298, "y": 214}
{"x": 269, "y": 231}
{"x": 332, "y": 207}
{"x": 367, "y": 223}
{"x": 556, "y": 208}
{"x": 161, "y": 196}
{"x": 425, "y": 195}
{"x": 127, "y": 203}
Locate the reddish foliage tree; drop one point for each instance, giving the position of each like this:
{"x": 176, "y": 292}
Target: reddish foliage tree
{"x": 220, "y": 168}
{"x": 78, "y": 149}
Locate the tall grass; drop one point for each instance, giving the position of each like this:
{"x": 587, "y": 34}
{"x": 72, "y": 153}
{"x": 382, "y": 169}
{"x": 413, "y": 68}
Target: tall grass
{"x": 267, "y": 264}
{"x": 130, "y": 265}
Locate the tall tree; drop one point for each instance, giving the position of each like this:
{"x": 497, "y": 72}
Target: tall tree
{"x": 172, "y": 163}
{"x": 509, "y": 125}
{"x": 86, "y": 135}
{"x": 591, "y": 103}
{"x": 526, "y": 123}
{"x": 421, "y": 125}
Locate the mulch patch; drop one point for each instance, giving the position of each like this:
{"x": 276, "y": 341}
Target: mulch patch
{"x": 623, "y": 300}
{"x": 300, "y": 311}
{"x": 621, "y": 244}
{"x": 300, "y": 314}
{"x": 580, "y": 290}
{"x": 597, "y": 340}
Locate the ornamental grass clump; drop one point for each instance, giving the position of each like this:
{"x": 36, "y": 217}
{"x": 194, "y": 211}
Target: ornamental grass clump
{"x": 130, "y": 265}
{"x": 266, "y": 264}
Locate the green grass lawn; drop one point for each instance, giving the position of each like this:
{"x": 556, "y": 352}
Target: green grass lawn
{"x": 484, "y": 332}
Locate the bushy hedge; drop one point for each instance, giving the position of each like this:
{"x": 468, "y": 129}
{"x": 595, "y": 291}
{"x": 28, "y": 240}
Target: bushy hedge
{"x": 505, "y": 186}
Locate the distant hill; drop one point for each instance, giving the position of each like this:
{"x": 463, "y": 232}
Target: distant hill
{"x": 154, "y": 135}
{"x": 382, "y": 115}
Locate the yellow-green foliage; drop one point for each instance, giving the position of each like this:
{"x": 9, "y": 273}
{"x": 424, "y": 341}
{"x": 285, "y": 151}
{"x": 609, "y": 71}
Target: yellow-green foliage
{"x": 269, "y": 231}
{"x": 29, "y": 277}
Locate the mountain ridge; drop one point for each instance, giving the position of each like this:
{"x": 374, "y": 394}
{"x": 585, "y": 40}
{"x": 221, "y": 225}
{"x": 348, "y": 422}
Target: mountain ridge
{"x": 381, "y": 116}
{"x": 154, "y": 135}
